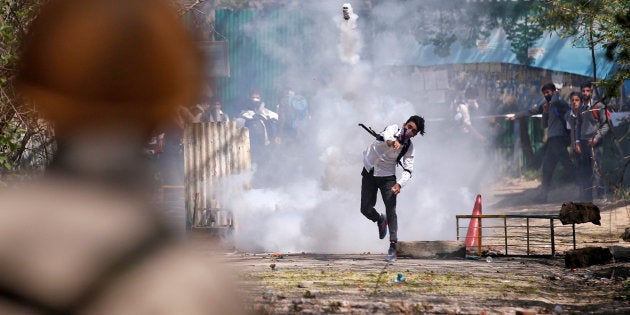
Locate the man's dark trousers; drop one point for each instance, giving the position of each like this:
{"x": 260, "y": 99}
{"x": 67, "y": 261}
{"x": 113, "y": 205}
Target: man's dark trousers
{"x": 556, "y": 151}
{"x": 370, "y": 184}
{"x": 589, "y": 176}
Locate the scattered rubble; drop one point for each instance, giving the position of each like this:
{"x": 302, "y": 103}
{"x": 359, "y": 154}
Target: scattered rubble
{"x": 579, "y": 212}
{"x": 588, "y": 256}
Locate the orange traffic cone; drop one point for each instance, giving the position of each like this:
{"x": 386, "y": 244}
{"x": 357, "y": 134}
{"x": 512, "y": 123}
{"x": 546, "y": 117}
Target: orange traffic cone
{"x": 472, "y": 238}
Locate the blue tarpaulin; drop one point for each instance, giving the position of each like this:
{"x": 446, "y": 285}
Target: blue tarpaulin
{"x": 550, "y": 52}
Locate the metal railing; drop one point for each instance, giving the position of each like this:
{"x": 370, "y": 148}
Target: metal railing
{"x": 518, "y": 235}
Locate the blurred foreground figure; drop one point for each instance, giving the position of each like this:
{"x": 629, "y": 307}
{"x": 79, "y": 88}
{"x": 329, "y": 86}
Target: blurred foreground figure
{"x": 85, "y": 240}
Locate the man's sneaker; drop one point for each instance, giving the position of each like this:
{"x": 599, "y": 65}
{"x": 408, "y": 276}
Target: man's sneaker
{"x": 382, "y": 226}
{"x": 391, "y": 254}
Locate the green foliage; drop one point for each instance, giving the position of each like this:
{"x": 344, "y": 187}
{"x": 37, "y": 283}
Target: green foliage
{"x": 443, "y": 23}
{"x": 10, "y": 142}
{"x": 18, "y": 121}
{"x": 593, "y": 24}
{"x": 522, "y": 32}
{"x": 531, "y": 174}
{"x": 618, "y": 49}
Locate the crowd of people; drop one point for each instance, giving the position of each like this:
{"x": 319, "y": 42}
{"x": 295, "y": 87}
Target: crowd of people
{"x": 268, "y": 128}
{"x": 574, "y": 121}
{"x": 575, "y": 136}
{"x": 574, "y": 132}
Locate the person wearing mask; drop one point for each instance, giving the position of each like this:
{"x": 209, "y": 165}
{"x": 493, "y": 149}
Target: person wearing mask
{"x": 554, "y": 110}
{"x": 262, "y": 125}
{"x": 393, "y": 146}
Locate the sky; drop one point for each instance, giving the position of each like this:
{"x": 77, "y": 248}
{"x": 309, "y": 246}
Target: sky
{"x": 312, "y": 197}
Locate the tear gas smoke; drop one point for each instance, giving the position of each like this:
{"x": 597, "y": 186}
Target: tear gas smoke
{"x": 350, "y": 39}
{"x": 312, "y": 203}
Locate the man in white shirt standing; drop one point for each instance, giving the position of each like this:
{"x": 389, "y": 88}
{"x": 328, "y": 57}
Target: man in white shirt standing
{"x": 379, "y": 173}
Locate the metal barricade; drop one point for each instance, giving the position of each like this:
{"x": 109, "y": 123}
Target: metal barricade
{"x": 518, "y": 234}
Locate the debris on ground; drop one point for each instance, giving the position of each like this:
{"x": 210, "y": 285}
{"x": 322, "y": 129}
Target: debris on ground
{"x": 588, "y": 256}
{"x": 579, "y": 212}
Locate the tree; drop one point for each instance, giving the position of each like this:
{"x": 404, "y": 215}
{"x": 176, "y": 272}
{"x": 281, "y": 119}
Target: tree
{"x": 443, "y": 23}
{"x": 522, "y": 33}
{"x": 594, "y": 23}
{"x": 24, "y": 139}
{"x": 618, "y": 46}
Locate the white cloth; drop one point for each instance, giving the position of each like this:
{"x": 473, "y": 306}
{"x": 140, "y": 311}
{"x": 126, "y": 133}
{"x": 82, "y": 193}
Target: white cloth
{"x": 382, "y": 158}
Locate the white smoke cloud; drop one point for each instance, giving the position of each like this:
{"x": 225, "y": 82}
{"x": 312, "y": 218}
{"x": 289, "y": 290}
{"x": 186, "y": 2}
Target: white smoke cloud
{"x": 312, "y": 203}
{"x": 350, "y": 39}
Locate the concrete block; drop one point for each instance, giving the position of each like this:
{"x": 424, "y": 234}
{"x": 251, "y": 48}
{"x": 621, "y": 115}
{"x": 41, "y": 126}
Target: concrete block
{"x": 432, "y": 249}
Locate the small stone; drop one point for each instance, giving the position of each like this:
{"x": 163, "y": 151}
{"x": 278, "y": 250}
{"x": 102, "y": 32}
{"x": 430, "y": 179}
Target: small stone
{"x": 305, "y": 284}
{"x": 268, "y": 295}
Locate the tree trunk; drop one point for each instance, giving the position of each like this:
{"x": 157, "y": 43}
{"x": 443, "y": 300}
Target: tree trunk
{"x": 526, "y": 144}
{"x": 591, "y": 45}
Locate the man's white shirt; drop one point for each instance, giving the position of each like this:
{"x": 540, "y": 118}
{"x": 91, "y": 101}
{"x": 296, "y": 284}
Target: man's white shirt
{"x": 382, "y": 158}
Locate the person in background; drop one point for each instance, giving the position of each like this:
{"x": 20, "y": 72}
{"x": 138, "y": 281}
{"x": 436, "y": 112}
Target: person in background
{"x": 208, "y": 110}
{"x": 201, "y": 112}
{"x": 554, "y": 111}
{"x": 462, "y": 108}
{"x": 262, "y": 125}
{"x": 379, "y": 173}
{"x": 86, "y": 238}
{"x": 591, "y": 130}
{"x": 575, "y": 100}
{"x": 293, "y": 117}
{"x": 215, "y": 112}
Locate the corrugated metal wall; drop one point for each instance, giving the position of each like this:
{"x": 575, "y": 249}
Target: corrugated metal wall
{"x": 212, "y": 152}
{"x": 252, "y": 66}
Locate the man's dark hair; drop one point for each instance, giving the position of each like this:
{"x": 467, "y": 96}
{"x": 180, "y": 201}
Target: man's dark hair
{"x": 548, "y": 87}
{"x": 574, "y": 93}
{"x": 588, "y": 84}
{"x": 419, "y": 121}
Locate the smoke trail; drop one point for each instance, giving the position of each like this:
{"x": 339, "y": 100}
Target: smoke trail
{"x": 350, "y": 39}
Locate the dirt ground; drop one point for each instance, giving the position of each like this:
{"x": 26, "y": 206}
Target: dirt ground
{"x": 279, "y": 283}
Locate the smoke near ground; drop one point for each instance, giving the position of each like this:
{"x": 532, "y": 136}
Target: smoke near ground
{"x": 312, "y": 201}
